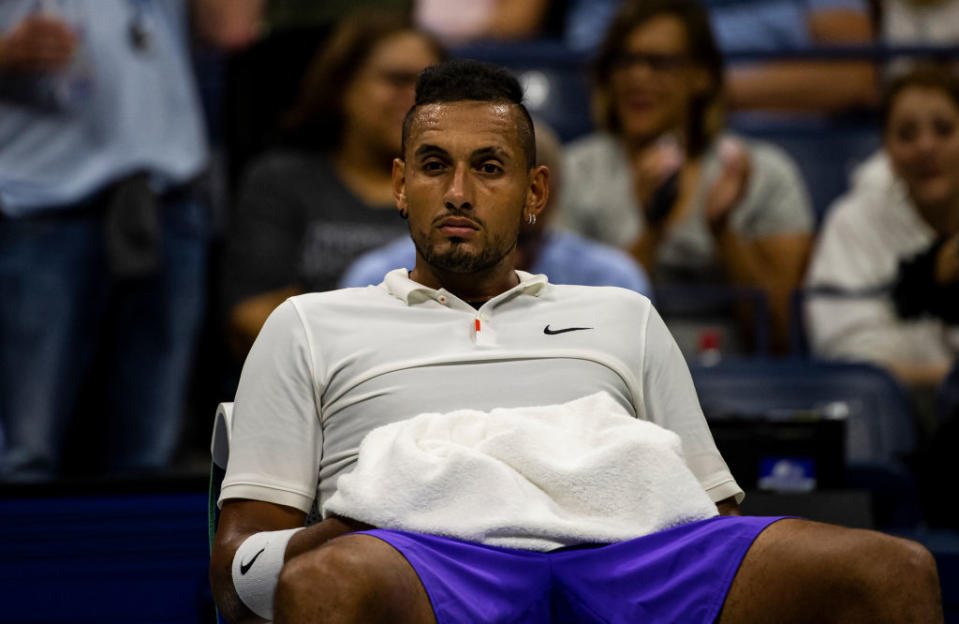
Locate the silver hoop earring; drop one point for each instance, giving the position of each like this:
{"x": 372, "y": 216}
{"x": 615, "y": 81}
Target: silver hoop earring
{"x": 532, "y": 219}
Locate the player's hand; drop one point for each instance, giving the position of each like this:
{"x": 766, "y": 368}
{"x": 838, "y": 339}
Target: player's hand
{"x": 731, "y": 184}
{"x": 655, "y": 176}
{"x": 39, "y": 43}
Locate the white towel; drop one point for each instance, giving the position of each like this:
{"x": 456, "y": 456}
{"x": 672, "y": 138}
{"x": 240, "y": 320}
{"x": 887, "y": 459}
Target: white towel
{"x": 535, "y": 478}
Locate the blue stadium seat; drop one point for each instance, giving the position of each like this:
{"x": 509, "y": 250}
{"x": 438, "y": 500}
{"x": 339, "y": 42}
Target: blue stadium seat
{"x": 879, "y": 416}
{"x": 880, "y": 435}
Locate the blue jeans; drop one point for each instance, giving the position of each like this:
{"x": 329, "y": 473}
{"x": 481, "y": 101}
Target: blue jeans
{"x": 61, "y": 310}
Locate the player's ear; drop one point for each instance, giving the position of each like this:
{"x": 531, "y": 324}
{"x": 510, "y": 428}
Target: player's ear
{"x": 399, "y": 186}
{"x": 538, "y": 193}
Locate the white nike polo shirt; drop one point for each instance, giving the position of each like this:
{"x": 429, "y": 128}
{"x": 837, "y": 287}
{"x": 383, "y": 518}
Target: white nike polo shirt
{"x": 329, "y": 367}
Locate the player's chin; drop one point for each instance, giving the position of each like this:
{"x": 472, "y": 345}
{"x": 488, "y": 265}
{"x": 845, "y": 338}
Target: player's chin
{"x": 457, "y": 245}
{"x": 455, "y": 258}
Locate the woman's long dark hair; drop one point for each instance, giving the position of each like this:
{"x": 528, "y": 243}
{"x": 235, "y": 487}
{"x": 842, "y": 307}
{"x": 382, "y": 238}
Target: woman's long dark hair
{"x": 702, "y": 50}
{"x": 317, "y": 119}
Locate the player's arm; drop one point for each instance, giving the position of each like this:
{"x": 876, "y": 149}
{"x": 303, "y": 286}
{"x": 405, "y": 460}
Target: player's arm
{"x": 241, "y": 520}
{"x": 728, "y": 507}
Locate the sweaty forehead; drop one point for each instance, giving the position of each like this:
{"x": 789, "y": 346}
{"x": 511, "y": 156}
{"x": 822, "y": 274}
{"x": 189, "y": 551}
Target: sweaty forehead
{"x": 467, "y": 123}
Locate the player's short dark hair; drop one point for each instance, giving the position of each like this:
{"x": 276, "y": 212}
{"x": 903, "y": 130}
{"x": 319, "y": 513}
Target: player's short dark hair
{"x": 459, "y": 80}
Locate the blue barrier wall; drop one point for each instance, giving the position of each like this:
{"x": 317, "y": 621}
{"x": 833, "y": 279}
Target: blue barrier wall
{"x": 142, "y": 558}
{"x": 105, "y": 558}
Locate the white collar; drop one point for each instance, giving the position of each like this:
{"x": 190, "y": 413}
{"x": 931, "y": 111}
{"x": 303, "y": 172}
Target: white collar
{"x": 399, "y": 285}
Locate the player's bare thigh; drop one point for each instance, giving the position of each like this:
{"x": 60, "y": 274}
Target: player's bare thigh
{"x": 353, "y": 578}
{"x": 802, "y": 571}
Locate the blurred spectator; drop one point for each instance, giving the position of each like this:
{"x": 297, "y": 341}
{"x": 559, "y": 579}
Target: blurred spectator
{"x": 894, "y": 238}
{"x": 771, "y": 26}
{"x": 263, "y": 80}
{"x": 457, "y": 22}
{"x": 103, "y": 230}
{"x": 306, "y": 211}
{"x": 917, "y": 22}
{"x": 565, "y": 257}
{"x": 694, "y": 205}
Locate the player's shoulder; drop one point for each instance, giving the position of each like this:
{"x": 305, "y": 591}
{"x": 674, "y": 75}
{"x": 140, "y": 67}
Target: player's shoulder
{"x": 598, "y": 295}
{"x": 341, "y": 299}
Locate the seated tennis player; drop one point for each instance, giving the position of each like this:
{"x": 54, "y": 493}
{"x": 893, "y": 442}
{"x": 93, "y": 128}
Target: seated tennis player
{"x": 469, "y": 443}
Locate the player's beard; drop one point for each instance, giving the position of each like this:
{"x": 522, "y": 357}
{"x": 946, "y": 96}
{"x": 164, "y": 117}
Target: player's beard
{"x": 457, "y": 257}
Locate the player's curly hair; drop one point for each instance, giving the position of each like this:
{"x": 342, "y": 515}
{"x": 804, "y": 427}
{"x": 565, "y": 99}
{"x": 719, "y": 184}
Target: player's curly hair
{"x": 459, "y": 80}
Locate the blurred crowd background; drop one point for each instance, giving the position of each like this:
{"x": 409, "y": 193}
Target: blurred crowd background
{"x": 780, "y": 177}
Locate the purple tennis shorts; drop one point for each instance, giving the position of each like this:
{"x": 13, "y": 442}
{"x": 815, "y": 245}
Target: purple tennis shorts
{"x": 681, "y": 574}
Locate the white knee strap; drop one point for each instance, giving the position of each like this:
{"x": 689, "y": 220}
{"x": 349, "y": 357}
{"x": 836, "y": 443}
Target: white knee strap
{"x": 256, "y": 569}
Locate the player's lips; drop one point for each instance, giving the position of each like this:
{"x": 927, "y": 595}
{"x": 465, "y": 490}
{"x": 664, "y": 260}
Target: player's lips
{"x": 457, "y": 226}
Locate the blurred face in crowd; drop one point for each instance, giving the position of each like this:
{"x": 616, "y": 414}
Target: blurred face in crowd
{"x": 376, "y": 101}
{"x": 654, "y": 80}
{"x": 466, "y": 185}
{"x": 922, "y": 140}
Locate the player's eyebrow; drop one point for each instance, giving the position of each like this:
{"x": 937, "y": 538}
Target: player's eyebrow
{"x": 491, "y": 152}
{"x": 430, "y": 150}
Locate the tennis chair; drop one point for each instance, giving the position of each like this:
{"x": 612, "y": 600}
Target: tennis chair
{"x": 220, "y": 452}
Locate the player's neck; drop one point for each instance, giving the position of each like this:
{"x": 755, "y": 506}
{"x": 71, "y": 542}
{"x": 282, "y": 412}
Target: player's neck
{"x": 474, "y": 287}
{"x": 528, "y": 248}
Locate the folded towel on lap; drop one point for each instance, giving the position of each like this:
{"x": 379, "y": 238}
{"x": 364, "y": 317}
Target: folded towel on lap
{"x": 534, "y": 478}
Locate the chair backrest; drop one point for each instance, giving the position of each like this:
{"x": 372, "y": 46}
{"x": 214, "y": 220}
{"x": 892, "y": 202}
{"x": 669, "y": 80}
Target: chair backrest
{"x": 220, "y": 442}
{"x": 879, "y": 420}
{"x": 220, "y": 452}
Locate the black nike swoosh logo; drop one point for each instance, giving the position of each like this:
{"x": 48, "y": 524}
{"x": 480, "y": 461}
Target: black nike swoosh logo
{"x": 245, "y": 567}
{"x": 553, "y": 332}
